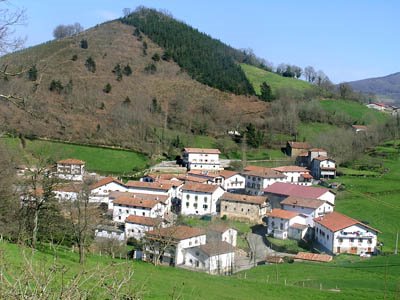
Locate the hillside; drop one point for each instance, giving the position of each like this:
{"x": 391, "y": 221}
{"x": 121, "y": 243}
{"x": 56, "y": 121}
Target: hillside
{"x": 386, "y": 87}
{"x": 257, "y": 76}
{"x": 345, "y": 278}
{"x": 158, "y": 94}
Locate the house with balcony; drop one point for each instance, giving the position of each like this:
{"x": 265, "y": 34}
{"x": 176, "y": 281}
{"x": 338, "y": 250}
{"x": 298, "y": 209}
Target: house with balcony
{"x": 258, "y": 178}
{"x": 70, "y": 169}
{"x": 323, "y": 167}
{"x": 336, "y": 233}
{"x": 201, "y": 159}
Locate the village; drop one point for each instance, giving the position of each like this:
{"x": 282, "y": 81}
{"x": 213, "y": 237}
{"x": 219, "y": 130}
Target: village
{"x": 285, "y": 202}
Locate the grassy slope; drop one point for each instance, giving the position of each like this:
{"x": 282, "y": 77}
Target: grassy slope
{"x": 357, "y": 112}
{"x": 102, "y": 160}
{"x": 375, "y": 200}
{"x": 257, "y": 76}
{"x": 355, "y": 278}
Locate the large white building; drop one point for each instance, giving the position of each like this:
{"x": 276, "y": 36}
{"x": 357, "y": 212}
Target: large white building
{"x": 70, "y": 169}
{"x": 258, "y": 178}
{"x": 230, "y": 181}
{"x": 338, "y": 233}
{"x": 295, "y": 174}
{"x": 145, "y": 205}
{"x": 200, "y": 199}
{"x": 201, "y": 159}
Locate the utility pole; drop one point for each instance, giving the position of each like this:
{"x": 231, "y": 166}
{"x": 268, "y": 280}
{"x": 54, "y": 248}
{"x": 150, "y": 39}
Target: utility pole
{"x": 397, "y": 243}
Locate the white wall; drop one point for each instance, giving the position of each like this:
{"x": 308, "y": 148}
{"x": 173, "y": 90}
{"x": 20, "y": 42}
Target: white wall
{"x": 136, "y": 230}
{"x": 358, "y": 239}
{"x": 65, "y": 196}
{"x": 203, "y": 161}
{"x": 230, "y": 236}
{"x": 198, "y": 260}
{"x": 187, "y": 243}
{"x": 109, "y": 234}
{"x": 121, "y": 212}
{"x": 101, "y": 193}
{"x": 328, "y": 196}
{"x": 235, "y": 182}
{"x": 206, "y": 202}
{"x": 311, "y": 213}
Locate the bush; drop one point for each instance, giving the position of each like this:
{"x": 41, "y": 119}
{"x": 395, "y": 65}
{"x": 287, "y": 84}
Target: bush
{"x": 156, "y": 57}
{"x": 74, "y": 57}
{"x": 32, "y": 73}
{"x": 84, "y": 44}
{"x": 56, "y": 86}
{"x": 127, "y": 70}
{"x": 150, "y": 68}
{"x": 107, "y": 88}
{"x": 90, "y": 64}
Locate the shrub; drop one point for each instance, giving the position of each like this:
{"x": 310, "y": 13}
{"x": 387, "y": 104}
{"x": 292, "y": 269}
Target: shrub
{"x": 56, "y": 86}
{"x": 156, "y": 57}
{"x": 84, "y": 44}
{"x": 150, "y": 68}
{"x": 127, "y": 70}
{"x": 90, "y": 64}
{"x": 32, "y": 73}
{"x": 74, "y": 57}
{"x": 107, "y": 88}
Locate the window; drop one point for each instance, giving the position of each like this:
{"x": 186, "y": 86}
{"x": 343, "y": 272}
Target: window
{"x": 119, "y": 218}
{"x": 205, "y": 206}
{"x": 340, "y": 240}
{"x": 196, "y": 198}
{"x": 190, "y": 243}
{"x": 195, "y": 205}
{"x": 187, "y": 204}
{"x": 197, "y": 263}
{"x": 205, "y": 199}
{"x": 242, "y": 209}
{"x": 127, "y": 211}
{"x": 351, "y": 240}
{"x": 143, "y": 214}
{"x": 226, "y": 207}
{"x": 360, "y": 240}
{"x": 187, "y": 197}
{"x": 281, "y": 226}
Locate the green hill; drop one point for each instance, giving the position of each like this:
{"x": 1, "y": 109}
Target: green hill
{"x": 345, "y": 278}
{"x": 257, "y": 76}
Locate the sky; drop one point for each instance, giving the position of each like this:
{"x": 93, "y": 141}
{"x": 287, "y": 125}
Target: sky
{"x": 348, "y": 40}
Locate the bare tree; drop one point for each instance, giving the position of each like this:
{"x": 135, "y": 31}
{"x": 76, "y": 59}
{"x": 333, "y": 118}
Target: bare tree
{"x": 310, "y": 74}
{"x": 9, "y": 18}
{"x": 126, "y": 11}
{"x": 83, "y": 217}
{"x": 62, "y": 31}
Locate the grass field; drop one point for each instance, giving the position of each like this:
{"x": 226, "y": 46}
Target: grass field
{"x": 375, "y": 199}
{"x": 102, "y": 160}
{"x": 257, "y": 76}
{"x": 357, "y": 112}
{"x": 352, "y": 277}
{"x": 309, "y": 131}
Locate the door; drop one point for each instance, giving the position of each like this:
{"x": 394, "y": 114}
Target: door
{"x": 353, "y": 250}
{"x": 338, "y": 250}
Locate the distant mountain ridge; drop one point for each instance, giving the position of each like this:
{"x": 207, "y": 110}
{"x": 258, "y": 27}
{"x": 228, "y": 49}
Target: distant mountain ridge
{"x": 386, "y": 87}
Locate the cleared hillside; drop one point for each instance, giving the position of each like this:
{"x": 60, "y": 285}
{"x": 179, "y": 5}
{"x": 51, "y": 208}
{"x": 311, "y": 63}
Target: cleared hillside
{"x": 162, "y": 96}
{"x": 257, "y": 76}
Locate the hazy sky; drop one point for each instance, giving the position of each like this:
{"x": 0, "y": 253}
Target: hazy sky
{"x": 348, "y": 40}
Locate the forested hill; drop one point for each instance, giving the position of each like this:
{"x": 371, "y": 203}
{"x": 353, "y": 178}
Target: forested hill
{"x": 386, "y": 87}
{"x": 207, "y": 60}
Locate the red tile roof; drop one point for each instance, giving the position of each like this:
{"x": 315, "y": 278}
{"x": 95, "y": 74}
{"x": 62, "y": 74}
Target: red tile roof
{"x": 143, "y": 220}
{"x": 263, "y": 172}
{"x": 313, "y": 257}
{"x": 291, "y": 169}
{"x": 217, "y": 247}
{"x": 299, "y": 145}
{"x": 335, "y": 221}
{"x": 132, "y": 201}
{"x": 287, "y": 189}
{"x": 359, "y": 127}
{"x": 317, "y": 150}
{"x": 152, "y": 197}
{"x": 105, "y": 181}
{"x": 71, "y": 161}
{"x": 149, "y": 185}
{"x": 303, "y": 202}
{"x": 244, "y": 198}
{"x": 180, "y": 232}
{"x": 199, "y": 187}
{"x": 322, "y": 157}
{"x": 202, "y": 150}
{"x": 282, "y": 214}
{"x": 299, "y": 226}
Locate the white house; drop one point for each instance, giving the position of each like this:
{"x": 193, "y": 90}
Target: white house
{"x": 170, "y": 243}
{"x": 230, "y": 181}
{"x": 136, "y": 226}
{"x": 201, "y": 159}
{"x": 70, "y": 169}
{"x": 100, "y": 191}
{"x": 312, "y": 208}
{"x": 258, "y": 178}
{"x": 283, "y": 224}
{"x": 200, "y": 199}
{"x": 222, "y": 232}
{"x": 338, "y": 233}
{"x": 315, "y": 152}
{"x": 359, "y": 128}
{"x": 145, "y": 205}
{"x": 377, "y": 106}
{"x": 295, "y": 174}
{"x": 323, "y": 167}
{"x": 67, "y": 192}
{"x": 278, "y": 191}
{"x": 217, "y": 257}
{"x": 154, "y": 188}
{"x": 109, "y": 232}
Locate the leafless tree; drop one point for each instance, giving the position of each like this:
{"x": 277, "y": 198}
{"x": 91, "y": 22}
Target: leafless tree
{"x": 62, "y": 31}
{"x": 126, "y": 11}
{"x": 310, "y": 74}
{"x": 83, "y": 217}
{"x": 159, "y": 242}
{"x": 9, "y": 18}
